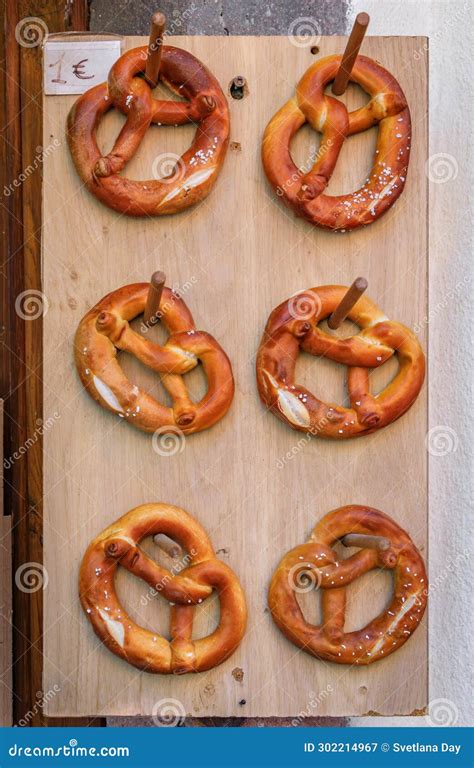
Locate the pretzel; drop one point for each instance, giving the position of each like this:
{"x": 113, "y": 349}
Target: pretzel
{"x": 303, "y": 190}
{"x": 294, "y": 325}
{"x": 148, "y": 651}
{"x": 196, "y": 171}
{"x": 317, "y": 563}
{"x": 105, "y": 329}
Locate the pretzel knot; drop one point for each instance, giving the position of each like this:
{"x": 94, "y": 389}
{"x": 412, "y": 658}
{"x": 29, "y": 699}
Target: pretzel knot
{"x": 294, "y": 325}
{"x": 195, "y": 172}
{"x": 199, "y": 574}
{"x": 105, "y": 329}
{"x": 382, "y": 636}
{"x": 303, "y": 190}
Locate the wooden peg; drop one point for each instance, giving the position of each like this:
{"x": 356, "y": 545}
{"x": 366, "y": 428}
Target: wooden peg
{"x": 155, "y": 44}
{"x": 152, "y": 307}
{"x": 365, "y": 540}
{"x": 347, "y": 302}
{"x": 350, "y": 54}
{"x": 169, "y": 546}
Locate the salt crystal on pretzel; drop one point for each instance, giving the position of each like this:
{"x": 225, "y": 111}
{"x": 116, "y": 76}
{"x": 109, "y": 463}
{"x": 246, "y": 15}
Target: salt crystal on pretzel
{"x": 106, "y": 329}
{"x": 118, "y": 546}
{"x": 304, "y": 191}
{"x": 321, "y": 568}
{"x": 206, "y": 107}
{"x": 294, "y": 326}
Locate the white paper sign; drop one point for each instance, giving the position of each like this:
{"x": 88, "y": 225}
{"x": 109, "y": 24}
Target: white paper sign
{"x": 74, "y": 67}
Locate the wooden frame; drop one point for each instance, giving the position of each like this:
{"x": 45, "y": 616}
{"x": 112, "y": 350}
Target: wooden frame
{"x": 6, "y": 658}
{"x": 21, "y": 349}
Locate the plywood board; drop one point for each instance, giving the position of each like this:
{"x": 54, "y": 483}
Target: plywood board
{"x": 240, "y": 253}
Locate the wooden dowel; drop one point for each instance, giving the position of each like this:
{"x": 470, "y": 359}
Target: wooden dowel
{"x": 365, "y": 540}
{"x": 169, "y": 546}
{"x": 350, "y": 54}
{"x": 152, "y": 69}
{"x": 347, "y": 302}
{"x": 152, "y": 307}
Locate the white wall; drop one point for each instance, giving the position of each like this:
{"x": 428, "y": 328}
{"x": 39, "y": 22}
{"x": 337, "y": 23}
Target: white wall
{"x": 448, "y": 24}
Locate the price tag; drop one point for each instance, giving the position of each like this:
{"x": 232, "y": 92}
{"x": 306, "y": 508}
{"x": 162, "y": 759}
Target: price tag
{"x": 74, "y": 67}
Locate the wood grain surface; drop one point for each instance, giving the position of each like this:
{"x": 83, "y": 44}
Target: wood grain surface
{"x": 253, "y": 483}
{"x": 6, "y": 658}
{"x": 21, "y": 350}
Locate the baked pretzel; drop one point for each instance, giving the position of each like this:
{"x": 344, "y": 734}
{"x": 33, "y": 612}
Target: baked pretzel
{"x": 318, "y": 564}
{"x": 303, "y": 190}
{"x": 195, "y": 172}
{"x": 294, "y": 325}
{"x": 118, "y": 545}
{"x": 105, "y": 329}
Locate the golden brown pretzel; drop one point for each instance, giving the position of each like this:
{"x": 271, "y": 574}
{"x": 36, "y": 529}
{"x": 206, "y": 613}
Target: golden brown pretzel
{"x": 316, "y": 561}
{"x": 303, "y": 190}
{"x": 105, "y": 329}
{"x": 195, "y": 172}
{"x": 294, "y": 325}
{"x": 118, "y": 545}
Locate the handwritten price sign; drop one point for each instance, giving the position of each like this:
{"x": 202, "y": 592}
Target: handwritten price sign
{"x": 74, "y": 67}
